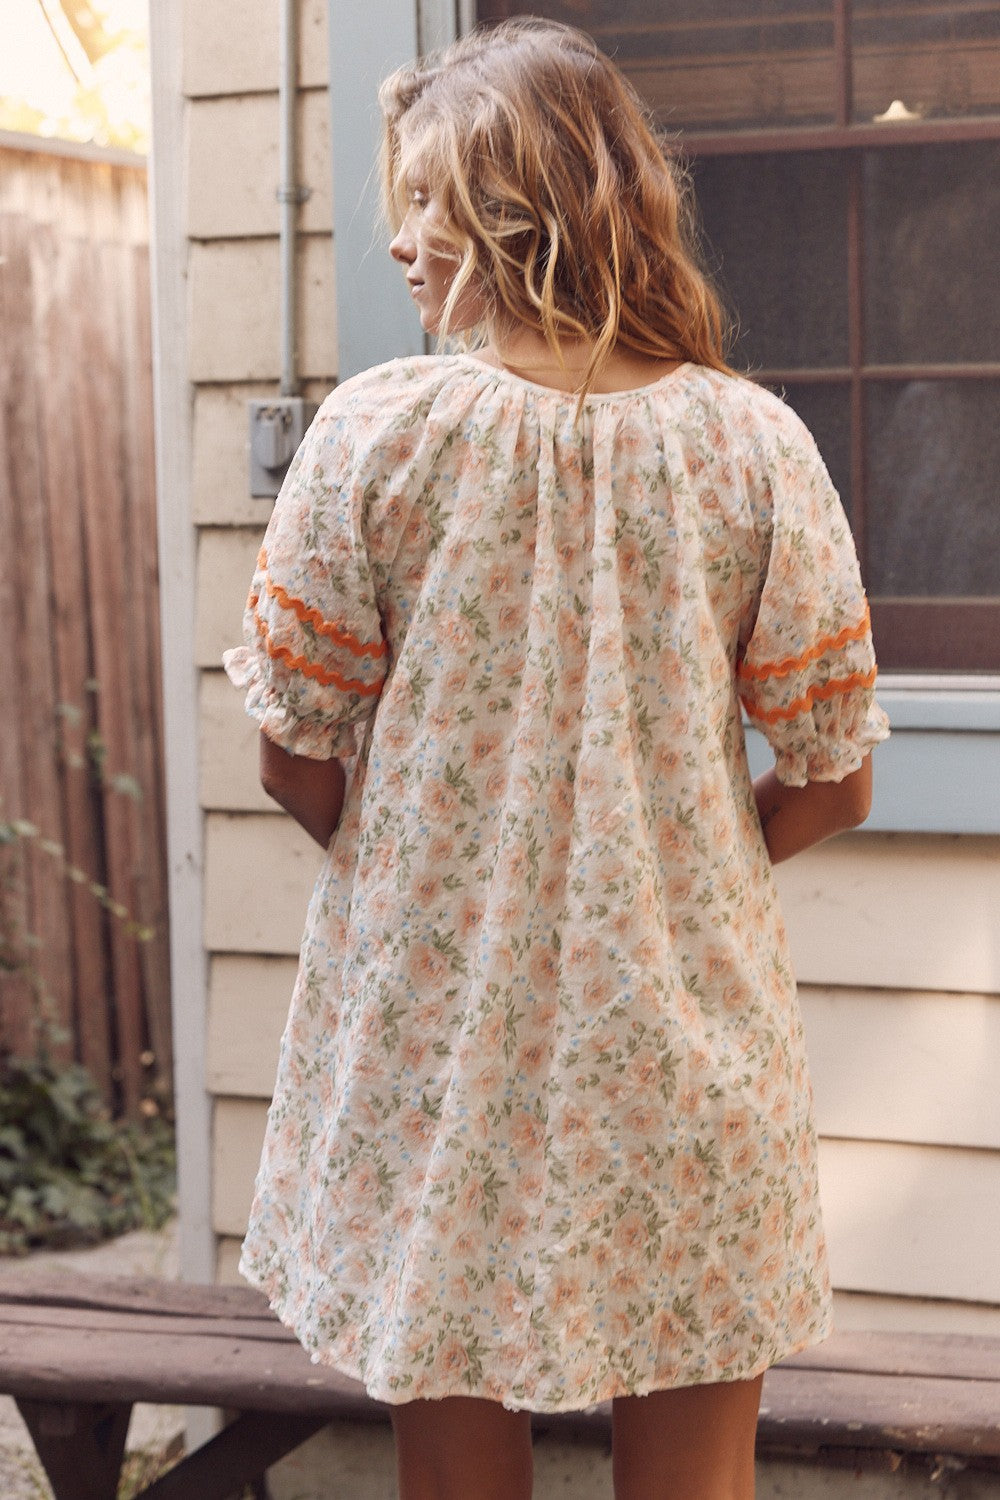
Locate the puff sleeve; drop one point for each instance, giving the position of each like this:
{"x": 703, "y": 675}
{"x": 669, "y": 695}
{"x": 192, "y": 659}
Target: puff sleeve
{"x": 314, "y": 656}
{"x": 807, "y": 674}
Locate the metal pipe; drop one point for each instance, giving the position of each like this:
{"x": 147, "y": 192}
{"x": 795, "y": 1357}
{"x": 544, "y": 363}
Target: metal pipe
{"x": 288, "y": 192}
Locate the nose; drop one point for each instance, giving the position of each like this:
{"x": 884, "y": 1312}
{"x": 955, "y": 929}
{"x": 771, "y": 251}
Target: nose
{"x": 402, "y": 247}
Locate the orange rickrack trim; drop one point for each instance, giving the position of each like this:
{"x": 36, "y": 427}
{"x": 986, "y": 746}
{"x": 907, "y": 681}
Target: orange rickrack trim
{"x": 819, "y": 693}
{"x": 794, "y": 663}
{"x": 313, "y": 617}
{"x": 326, "y": 676}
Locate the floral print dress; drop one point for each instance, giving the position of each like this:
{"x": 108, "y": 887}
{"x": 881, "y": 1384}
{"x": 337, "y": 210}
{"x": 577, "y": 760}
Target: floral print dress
{"x": 542, "y": 1125}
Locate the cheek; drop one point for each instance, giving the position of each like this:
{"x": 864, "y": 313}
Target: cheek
{"x": 471, "y": 308}
{"x": 440, "y": 273}
{"x": 440, "y": 269}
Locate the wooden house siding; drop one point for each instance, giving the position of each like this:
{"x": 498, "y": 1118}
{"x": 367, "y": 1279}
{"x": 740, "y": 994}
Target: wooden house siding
{"x": 232, "y": 48}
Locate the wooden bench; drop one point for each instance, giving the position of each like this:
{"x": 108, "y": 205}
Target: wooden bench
{"x": 77, "y": 1352}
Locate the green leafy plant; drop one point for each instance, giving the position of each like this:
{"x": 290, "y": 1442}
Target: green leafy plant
{"x": 69, "y": 1175}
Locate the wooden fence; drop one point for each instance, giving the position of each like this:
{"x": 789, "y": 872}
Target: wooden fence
{"x": 80, "y": 708}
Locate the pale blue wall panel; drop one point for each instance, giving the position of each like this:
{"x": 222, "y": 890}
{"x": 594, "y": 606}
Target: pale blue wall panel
{"x": 926, "y": 781}
{"x": 376, "y": 319}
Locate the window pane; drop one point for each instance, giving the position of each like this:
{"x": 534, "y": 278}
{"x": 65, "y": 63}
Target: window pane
{"x": 936, "y": 59}
{"x": 777, "y": 232}
{"x": 825, "y": 409}
{"x": 705, "y": 63}
{"x": 932, "y": 241}
{"x": 934, "y": 487}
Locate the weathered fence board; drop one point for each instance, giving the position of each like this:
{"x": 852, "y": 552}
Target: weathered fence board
{"x": 79, "y": 610}
{"x": 81, "y": 830}
{"x": 17, "y": 995}
{"x": 26, "y": 634}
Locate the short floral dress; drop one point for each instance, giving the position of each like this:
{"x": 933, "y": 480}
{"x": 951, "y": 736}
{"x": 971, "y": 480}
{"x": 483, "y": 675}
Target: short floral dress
{"x": 542, "y": 1127}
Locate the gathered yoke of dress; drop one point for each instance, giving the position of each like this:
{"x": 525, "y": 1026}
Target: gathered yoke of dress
{"x": 542, "y": 1126}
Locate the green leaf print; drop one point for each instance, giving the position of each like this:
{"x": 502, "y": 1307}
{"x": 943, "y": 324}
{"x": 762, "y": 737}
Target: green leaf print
{"x": 684, "y": 1309}
{"x": 651, "y": 555}
{"x": 457, "y": 778}
{"x": 419, "y": 681}
{"x": 707, "y": 1153}
{"x": 444, "y": 943}
{"x": 405, "y": 850}
{"x": 472, "y": 610}
{"x": 305, "y": 1145}
{"x": 643, "y": 721}
{"x": 512, "y": 1020}
{"x": 668, "y": 1067}
{"x": 533, "y": 849}
{"x": 392, "y": 1014}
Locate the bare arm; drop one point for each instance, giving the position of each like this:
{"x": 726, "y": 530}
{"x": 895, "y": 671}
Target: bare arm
{"x": 795, "y": 817}
{"x": 311, "y": 790}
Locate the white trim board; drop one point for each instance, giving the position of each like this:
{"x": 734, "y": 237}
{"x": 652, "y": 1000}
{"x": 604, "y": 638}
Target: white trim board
{"x": 176, "y": 535}
{"x": 964, "y": 704}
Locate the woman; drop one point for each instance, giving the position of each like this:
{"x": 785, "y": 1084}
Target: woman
{"x": 542, "y": 1129}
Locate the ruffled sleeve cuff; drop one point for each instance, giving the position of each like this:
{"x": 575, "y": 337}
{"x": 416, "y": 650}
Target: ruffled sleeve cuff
{"x": 828, "y": 740}
{"x": 297, "y": 726}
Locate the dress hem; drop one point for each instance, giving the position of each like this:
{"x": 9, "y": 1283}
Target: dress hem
{"x": 647, "y": 1387}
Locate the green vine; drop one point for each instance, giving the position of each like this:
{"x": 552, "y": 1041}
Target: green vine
{"x": 22, "y": 834}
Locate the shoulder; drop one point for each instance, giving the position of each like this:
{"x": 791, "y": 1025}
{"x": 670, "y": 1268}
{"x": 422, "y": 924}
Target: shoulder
{"x": 757, "y": 415}
{"x": 772, "y": 447}
{"x": 386, "y": 393}
{"x": 374, "y": 433}
{"x": 382, "y": 415}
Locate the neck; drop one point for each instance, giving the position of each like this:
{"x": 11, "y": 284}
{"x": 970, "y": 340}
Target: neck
{"x": 524, "y": 351}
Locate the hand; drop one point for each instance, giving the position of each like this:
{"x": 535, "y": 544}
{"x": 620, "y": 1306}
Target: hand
{"x": 311, "y": 790}
{"x": 796, "y": 817}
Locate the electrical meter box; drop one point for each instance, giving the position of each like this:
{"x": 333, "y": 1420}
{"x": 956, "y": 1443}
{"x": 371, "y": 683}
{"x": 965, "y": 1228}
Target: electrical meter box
{"x": 277, "y": 427}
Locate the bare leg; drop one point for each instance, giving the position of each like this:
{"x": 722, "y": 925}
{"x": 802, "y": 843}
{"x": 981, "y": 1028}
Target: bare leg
{"x": 462, "y": 1448}
{"x": 695, "y": 1443}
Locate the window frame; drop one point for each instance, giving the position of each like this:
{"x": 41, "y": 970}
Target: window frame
{"x": 938, "y": 771}
{"x": 954, "y": 635}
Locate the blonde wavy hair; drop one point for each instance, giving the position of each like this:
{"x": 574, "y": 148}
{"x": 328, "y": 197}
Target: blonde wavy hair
{"x": 563, "y": 208}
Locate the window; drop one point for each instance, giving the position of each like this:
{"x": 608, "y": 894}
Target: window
{"x": 846, "y": 158}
